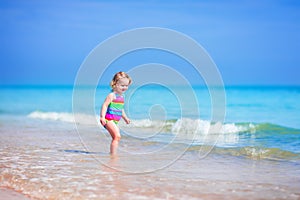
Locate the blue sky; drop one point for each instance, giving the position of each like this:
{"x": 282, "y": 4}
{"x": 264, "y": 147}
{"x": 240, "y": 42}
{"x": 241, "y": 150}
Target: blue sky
{"x": 251, "y": 41}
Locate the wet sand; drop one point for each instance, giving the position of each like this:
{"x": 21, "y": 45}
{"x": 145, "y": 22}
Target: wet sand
{"x": 8, "y": 194}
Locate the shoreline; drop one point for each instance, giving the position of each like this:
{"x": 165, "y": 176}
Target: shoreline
{"x": 7, "y": 193}
{"x": 44, "y": 159}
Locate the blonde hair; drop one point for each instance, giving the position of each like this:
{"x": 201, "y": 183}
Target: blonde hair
{"x": 119, "y": 76}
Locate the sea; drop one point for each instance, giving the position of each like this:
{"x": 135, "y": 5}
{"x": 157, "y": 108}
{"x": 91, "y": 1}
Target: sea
{"x": 52, "y": 145}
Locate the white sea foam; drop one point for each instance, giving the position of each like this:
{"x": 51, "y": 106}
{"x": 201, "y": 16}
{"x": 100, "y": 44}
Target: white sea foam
{"x": 64, "y": 117}
{"x": 144, "y": 123}
{"x": 147, "y": 123}
{"x": 205, "y": 132}
{"x": 190, "y": 126}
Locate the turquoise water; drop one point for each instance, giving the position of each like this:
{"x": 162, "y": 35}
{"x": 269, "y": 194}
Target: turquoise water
{"x": 245, "y": 104}
{"x": 49, "y": 152}
{"x": 265, "y": 121}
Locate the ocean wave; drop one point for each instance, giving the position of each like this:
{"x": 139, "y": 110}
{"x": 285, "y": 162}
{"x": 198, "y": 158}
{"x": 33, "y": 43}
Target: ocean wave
{"x": 185, "y": 125}
{"x": 64, "y": 117}
{"x": 190, "y": 126}
{"x": 259, "y": 153}
{"x": 186, "y": 130}
{"x": 253, "y": 152}
{"x": 267, "y": 140}
{"x": 274, "y": 128}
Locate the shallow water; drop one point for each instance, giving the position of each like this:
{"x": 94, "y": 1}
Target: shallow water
{"x": 52, "y": 162}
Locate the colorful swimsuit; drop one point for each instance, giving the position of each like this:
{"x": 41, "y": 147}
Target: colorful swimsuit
{"x": 114, "y": 110}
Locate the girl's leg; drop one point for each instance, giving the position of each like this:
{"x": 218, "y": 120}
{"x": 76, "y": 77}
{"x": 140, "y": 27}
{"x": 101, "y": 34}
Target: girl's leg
{"x": 114, "y": 131}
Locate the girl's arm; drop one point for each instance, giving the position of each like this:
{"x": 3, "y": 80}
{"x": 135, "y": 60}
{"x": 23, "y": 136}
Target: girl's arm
{"x": 105, "y": 104}
{"x": 124, "y": 116}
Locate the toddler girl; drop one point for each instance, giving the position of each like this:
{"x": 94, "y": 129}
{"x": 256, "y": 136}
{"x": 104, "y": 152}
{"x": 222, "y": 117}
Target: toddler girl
{"x": 112, "y": 109}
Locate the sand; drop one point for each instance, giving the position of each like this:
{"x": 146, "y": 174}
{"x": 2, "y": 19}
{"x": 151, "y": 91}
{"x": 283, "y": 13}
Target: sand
{"x": 8, "y": 194}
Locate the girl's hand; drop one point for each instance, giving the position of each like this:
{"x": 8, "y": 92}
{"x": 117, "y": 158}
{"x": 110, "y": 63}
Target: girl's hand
{"x": 103, "y": 121}
{"x": 127, "y": 120}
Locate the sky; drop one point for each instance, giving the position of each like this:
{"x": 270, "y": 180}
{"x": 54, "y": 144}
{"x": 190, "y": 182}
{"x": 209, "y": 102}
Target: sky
{"x": 252, "y": 42}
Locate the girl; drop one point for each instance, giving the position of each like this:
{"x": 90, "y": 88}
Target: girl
{"x": 112, "y": 109}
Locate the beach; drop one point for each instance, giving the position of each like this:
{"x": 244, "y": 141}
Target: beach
{"x": 43, "y": 167}
{"x": 45, "y": 154}
{"x": 211, "y": 92}
{"x": 54, "y": 165}
{"x": 11, "y": 195}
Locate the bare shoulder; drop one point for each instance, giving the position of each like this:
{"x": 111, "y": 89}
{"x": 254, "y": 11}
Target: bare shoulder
{"x": 111, "y": 96}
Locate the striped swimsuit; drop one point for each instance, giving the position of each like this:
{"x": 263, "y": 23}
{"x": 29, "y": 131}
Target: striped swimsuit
{"x": 114, "y": 110}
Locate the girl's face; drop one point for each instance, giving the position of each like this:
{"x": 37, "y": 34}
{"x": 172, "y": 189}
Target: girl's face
{"x": 122, "y": 85}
